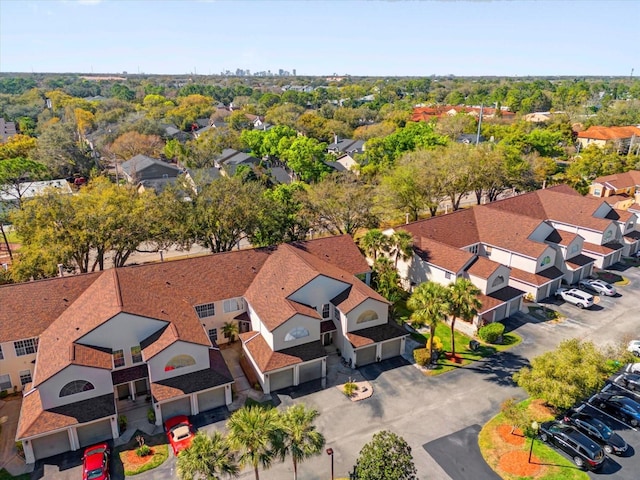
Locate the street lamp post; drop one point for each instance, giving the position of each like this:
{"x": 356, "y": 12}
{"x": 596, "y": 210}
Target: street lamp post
{"x": 330, "y": 453}
{"x": 534, "y": 426}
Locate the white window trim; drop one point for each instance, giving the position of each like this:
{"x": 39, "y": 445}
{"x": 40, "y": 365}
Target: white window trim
{"x": 23, "y": 345}
{"x": 203, "y": 310}
{"x": 113, "y": 358}
{"x": 9, "y": 380}
{"x": 24, "y": 373}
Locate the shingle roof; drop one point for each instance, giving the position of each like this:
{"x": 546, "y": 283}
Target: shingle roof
{"x": 536, "y": 278}
{"x": 483, "y": 267}
{"x": 267, "y": 360}
{"x": 340, "y": 251}
{"x": 141, "y": 162}
{"x": 619, "y": 181}
{"x": 34, "y": 420}
{"x": 379, "y": 333}
{"x": 445, "y": 256}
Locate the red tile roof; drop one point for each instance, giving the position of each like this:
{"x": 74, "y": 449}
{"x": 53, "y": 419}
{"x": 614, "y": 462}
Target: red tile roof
{"x": 609, "y": 133}
{"x": 340, "y": 251}
{"x": 267, "y": 360}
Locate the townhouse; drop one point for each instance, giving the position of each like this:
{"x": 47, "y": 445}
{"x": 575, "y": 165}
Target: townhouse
{"x": 81, "y": 348}
{"x": 528, "y": 244}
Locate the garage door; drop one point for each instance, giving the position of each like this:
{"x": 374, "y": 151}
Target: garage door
{"x": 211, "y": 399}
{"x": 44, "y": 447}
{"x": 501, "y": 313}
{"x": 177, "y": 407}
{"x": 310, "y": 371}
{"x": 94, "y": 433}
{"x": 366, "y": 356}
{"x": 281, "y": 379}
{"x": 391, "y": 349}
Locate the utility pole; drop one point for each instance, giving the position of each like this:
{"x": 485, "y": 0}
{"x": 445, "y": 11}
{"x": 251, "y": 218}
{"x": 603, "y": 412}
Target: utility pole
{"x": 479, "y": 124}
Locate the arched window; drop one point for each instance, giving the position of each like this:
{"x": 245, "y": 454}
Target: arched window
{"x": 298, "y": 332}
{"x": 77, "y": 386}
{"x": 497, "y": 281}
{"x": 179, "y": 361}
{"x": 367, "y": 316}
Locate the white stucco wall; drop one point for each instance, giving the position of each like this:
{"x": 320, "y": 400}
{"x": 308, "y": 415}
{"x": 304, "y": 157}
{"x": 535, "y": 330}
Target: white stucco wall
{"x": 200, "y": 354}
{"x": 319, "y": 291}
{"x": 574, "y": 248}
{"x": 279, "y": 334}
{"x": 50, "y": 389}
{"x": 220, "y": 318}
{"x": 501, "y": 271}
{"x": 519, "y": 261}
{"x": 541, "y": 232}
{"x": 546, "y": 259}
{"x": 382, "y": 309}
{"x": 13, "y": 364}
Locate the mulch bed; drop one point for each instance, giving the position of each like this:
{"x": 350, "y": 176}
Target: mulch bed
{"x": 516, "y": 438}
{"x": 131, "y": 459}
{"x": 517, "y": 463}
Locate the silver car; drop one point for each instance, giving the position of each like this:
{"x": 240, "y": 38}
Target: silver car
{"x": 597, "y": 286}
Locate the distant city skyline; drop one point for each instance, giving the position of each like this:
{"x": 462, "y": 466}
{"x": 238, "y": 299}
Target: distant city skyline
{"x": 321, "y": 38}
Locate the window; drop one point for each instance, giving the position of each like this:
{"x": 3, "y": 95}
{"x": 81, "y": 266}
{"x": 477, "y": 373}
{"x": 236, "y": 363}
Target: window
{"x": 497, "y": 281}
{"x": 5, "y": 382}
{"x": 77, "y": 386}
{"x": 298, "y": 332}
{"x": 233, "y": 305}
{"x": 213, "y": 335}
{"x": 474, "y": 249}
{"x": 25, "y": 347}
{"x": 597, "y": 192}
{"x": 136, "y": 354}
{"x": 336, "y": 314}
{"x": 25, "y": 377}
{"x": 179, "y": 361}
{"x": 1, "y": 355}
{"x": 118, "y": 358}
{"x": 447, "y": 275}
{"x": 545, "y": 261}
{"x": 368, "y": 316}
{"x": 326, "y": 311}
{"x": 206, "y": 310}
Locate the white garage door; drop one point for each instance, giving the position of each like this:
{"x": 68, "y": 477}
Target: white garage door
{"x": 391, "y": 349}
{"x": 280, "y": 380}
{"x": 366, "y": 356}
{"x": 94, "y": 433}
{"x": 44, "y": 447}
{"x": 310, "y": 371}
{"x": 177, "y": 407}
{"x": 211, "y": 399}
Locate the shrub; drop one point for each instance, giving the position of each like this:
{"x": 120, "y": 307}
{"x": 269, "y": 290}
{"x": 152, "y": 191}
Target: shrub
{"x": 350, "y": 388}
{"x": 3, "y": 394}
{"x": 491, "y": 333}
{"x": 151, "y": 415}
{"x": 437, "y": 344}
{"x": 421, "y": 356}
{"x": 20, "y": 449}
{"x": 143, "y": 451}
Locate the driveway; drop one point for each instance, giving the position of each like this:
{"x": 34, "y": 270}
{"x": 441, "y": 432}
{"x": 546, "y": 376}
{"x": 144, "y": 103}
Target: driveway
{"x": 433, "y": 414}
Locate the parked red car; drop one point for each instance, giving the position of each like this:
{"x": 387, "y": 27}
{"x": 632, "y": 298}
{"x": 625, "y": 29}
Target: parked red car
{"x": 95, "y": 462}
{"x": 179, "y": 432}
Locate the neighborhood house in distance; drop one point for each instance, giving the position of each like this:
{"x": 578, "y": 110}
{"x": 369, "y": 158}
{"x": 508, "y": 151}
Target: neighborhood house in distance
{"x": 101, "y": 339}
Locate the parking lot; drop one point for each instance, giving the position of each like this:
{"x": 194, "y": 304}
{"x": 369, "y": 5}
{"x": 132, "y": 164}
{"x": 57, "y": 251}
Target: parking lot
{"x": 440, "y": 416}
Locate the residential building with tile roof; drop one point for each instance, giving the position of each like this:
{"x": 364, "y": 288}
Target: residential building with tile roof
{"x": 83, "y": 348}
{"x": 620, "y": 189}
{"x": 530, "y": 243}
{"x": 624, "y": 139}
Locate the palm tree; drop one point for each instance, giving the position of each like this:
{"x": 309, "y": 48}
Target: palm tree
{"x": 230, "y": 331}
{"x": 463, "y": 303}
{"x": 374, "y": 242}
{"x": 255, "y": 431}
{"x": 386, "y": 279}
{"x": 430, "y": 307}
{"x": 300, "y": 438}
{"x": 208, "y": 457}
{"x": 401, "y": 246}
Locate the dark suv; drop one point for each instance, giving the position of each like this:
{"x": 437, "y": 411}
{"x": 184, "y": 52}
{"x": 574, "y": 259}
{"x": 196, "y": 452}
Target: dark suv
{"x": 597, "y": 430}
{"x": 584, "y": 452}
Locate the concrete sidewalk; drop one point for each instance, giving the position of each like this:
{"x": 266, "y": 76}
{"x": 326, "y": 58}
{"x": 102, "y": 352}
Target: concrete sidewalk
{"x": 9, "y": 458}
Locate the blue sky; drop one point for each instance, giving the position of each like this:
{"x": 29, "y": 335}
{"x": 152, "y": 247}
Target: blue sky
{"x": 418, "y": 38}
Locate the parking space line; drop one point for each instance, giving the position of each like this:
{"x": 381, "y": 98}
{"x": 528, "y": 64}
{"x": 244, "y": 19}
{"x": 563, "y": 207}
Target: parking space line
{"x": 610, "y": 416}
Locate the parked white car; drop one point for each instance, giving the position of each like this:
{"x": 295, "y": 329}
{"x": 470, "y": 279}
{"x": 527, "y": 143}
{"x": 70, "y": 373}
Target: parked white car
{"x": 634, "y": 347}
{"x": 576, "y": 297}
{"x": 598, "y": 286}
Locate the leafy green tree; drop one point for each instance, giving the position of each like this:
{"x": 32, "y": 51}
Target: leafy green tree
{"x": 286, "y": 115}
{"x": 429, "y": 305}
{"x": 305, "y": 156}
{"x": 189, "y": 109}
{"x": 463, "y": 304}
{"x": 17, "y": 146}
{"x": 209, "y": 456}
{"x": 300, "y": 439}
{"x": 340, "y": 204}
{"x": 513, "y": 413}
{"x": 572, "y": 372}
{"x": 386, "y": 457}
{"x": 58, "y": 149}
{"x": 223, "y": 213}
{"x": 17, "y": 176}
{"x": 256, "y": 433}
{"x": 238, "y": 121}
{"x": 118, "y": 90}
{"x": 386, "y": 280}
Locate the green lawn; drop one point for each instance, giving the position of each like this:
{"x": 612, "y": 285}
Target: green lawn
{"x": 463, "y": 353}
{"x": 4, "y": 475}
